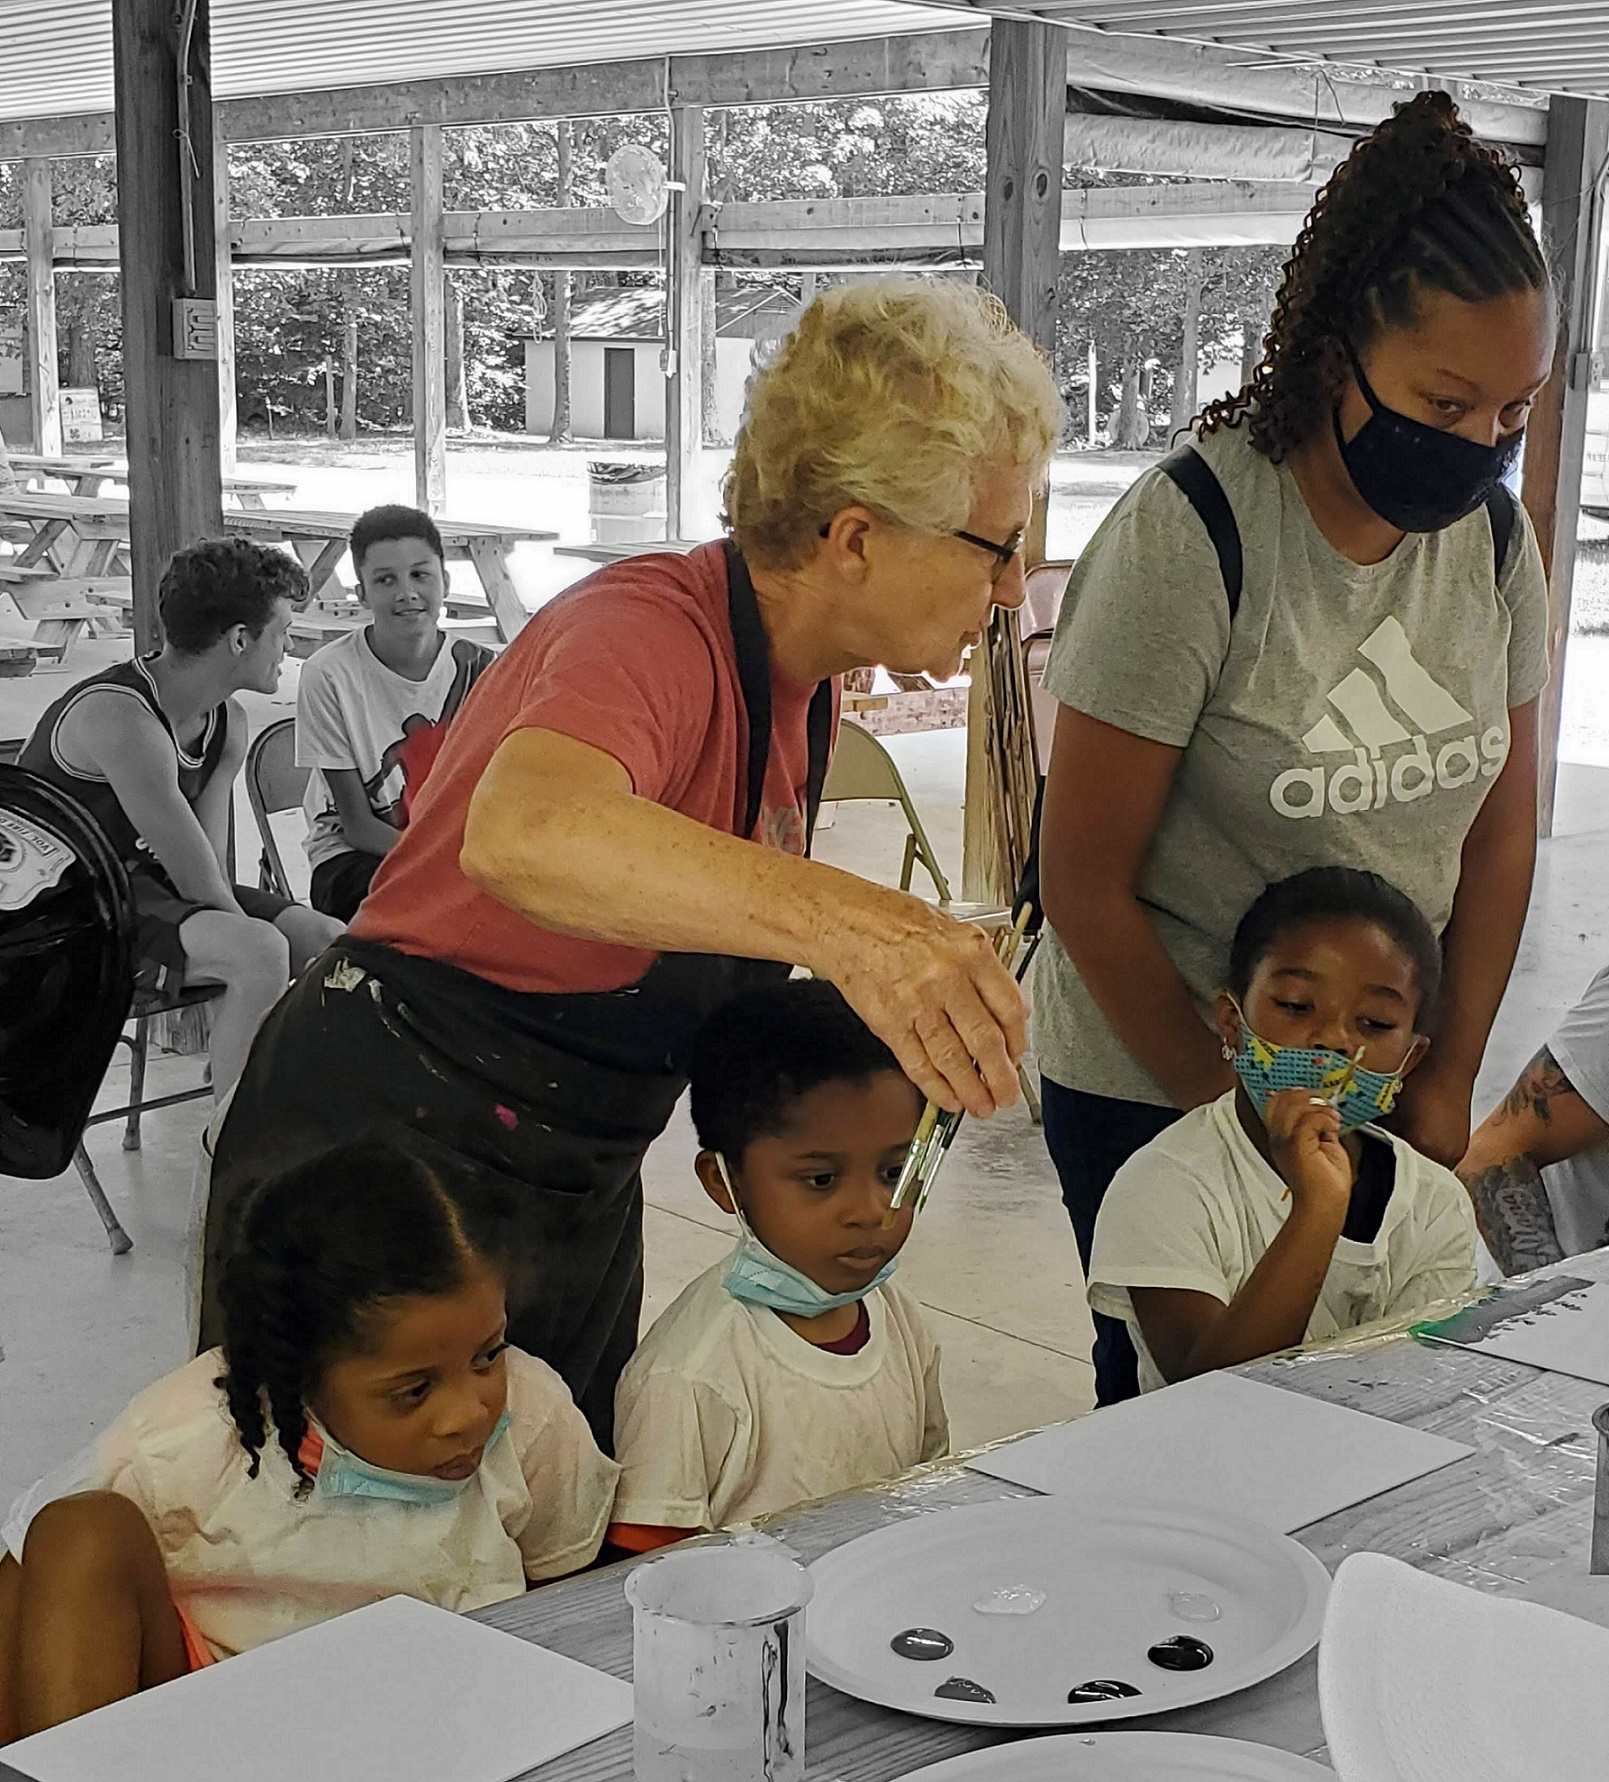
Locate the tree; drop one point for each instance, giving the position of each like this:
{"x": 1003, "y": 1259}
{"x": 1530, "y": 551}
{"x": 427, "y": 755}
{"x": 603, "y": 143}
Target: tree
{"x": 560, "y": 431}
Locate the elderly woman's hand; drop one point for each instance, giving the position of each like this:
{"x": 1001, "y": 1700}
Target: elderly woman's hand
{"x": 933, "y": 990}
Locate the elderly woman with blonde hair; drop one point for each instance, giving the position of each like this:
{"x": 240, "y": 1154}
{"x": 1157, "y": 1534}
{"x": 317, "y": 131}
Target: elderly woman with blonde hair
{"x": 614, "y": 837}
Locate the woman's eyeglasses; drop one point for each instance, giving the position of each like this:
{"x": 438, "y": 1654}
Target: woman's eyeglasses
{"x": 1002, "y": 553}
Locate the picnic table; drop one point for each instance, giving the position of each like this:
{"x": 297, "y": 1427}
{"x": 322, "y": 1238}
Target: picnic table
{"x": 319, "y": 540}
{"x": 1497, "y": 1519}
{"x": 89, "y": 476}
{"x": 618, "y": 553}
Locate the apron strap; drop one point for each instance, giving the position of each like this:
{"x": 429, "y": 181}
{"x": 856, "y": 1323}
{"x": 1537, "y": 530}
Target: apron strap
{"x": 753, "y": 650}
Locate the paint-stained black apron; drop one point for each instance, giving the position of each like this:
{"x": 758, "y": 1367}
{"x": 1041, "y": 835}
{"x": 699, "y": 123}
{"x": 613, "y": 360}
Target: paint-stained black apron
{"x": 553, "y": 1097}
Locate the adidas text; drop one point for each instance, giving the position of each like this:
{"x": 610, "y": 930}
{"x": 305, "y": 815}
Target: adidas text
{"x": 1369, "y": 782}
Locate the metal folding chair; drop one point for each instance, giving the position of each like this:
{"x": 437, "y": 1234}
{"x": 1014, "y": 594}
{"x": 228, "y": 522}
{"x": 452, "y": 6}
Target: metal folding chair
{"x": 274, "y": 783}
{"x": 863, "y": 769}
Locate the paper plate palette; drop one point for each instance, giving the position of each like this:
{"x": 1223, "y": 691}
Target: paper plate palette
{"x": 1126, "y": 1757}
{"x": 1055, "y": 1611}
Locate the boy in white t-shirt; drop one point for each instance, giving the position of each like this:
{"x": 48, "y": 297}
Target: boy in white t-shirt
{"x": 794, "y": 1369}
{"x": 374, "y": 704}
{"x": 1278, "y": 1215}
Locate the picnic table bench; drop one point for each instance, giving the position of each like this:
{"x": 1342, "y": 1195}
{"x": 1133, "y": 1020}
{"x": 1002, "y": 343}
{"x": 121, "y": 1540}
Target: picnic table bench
{"x": 89, "y": 476}
{"x": 84, "y": 538}
{"x": 1498, "y": 1519}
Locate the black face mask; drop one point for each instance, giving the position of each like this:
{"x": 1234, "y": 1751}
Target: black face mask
{"x": 1417, "y": 477}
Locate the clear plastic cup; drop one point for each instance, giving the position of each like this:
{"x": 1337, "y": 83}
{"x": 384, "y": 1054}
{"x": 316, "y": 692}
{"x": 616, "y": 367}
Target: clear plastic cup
{"x": 718, "y": 1664}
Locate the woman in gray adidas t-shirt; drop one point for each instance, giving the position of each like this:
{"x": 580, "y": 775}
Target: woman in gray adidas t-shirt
{"x": 1371, "y": 701}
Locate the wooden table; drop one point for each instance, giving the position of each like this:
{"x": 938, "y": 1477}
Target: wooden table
{"x": 618, "y": 553}
{"x": 1497, "y": 1520}
{"x": 89, "y": 476}
{"x": 319, "y": 539}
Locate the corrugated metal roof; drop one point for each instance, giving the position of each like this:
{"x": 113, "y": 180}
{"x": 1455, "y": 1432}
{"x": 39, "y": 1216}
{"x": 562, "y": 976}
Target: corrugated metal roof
{"x": 1553, "y": 45}
{"x": 56, "y": 55}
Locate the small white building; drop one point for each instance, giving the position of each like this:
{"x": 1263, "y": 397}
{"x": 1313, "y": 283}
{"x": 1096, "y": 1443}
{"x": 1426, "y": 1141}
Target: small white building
{"x": 617, "y": 377}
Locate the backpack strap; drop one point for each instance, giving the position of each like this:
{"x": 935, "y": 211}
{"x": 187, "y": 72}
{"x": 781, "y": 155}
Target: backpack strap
{"x": 1196, "y": 480}
{"x": 1502, "y": 511}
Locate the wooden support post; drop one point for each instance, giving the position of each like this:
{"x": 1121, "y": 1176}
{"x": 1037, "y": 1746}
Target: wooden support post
{"x": 171, "y": 403}
{"x": 1021, "y": 257}
{"x": 225, "y": 278}
{"x": 44, "y": 392}
{"x": 685, "y": 296}
{"x": 1573, "y": 203}
{"x": 427, "y": 291}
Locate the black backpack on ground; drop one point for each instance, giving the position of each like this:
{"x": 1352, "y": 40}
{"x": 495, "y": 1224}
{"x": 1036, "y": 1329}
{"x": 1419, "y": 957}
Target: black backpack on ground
{"x": 66, "y": 975}
{"x": 1198, "y": 483}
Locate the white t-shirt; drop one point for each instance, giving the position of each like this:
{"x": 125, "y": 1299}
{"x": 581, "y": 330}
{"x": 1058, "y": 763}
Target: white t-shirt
{"x": 354, "y": 712}
{"x": 248, "y": 1560}
{"x": 726, "y": 1413}
{"x": 1197, "y": 1207}
{"x": 1578, "y": 1188}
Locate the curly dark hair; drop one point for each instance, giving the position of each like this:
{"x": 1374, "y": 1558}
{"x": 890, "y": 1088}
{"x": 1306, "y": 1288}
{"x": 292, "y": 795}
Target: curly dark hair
{"x": 318, "y": 1251}
{"x": 209, "y": 588}
{"x": 392, "y": 521}
{"x": 1418, "y": 205}
{"x": 1338, "y": 894}
{"x": 764, "y": 1050}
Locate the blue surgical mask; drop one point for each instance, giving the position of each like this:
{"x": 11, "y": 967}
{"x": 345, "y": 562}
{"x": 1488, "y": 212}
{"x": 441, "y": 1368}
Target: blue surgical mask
{"x": 760, "y": 1278}
{"x": 341, "y": 1473}
{"x": 1264, "y": 1067}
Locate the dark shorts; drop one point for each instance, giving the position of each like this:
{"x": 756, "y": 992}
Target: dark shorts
{"x": 160, "y": 912}
{"x": 341, "y": 883}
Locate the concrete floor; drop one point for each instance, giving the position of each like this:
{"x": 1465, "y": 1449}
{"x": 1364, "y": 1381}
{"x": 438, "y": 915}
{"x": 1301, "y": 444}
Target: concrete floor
{"x": 993, "y": 1259}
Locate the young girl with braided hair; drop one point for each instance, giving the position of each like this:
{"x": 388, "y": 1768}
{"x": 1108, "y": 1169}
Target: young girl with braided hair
{"x": 1314, "y": 636}
{"x": 364, "y": 1431}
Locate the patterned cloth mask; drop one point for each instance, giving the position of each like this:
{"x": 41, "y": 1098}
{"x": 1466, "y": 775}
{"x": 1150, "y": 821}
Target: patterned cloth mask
{"x": 1358, "y": 1095}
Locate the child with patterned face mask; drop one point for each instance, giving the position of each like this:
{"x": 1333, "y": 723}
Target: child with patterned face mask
{"x": 364, "y": 1431}
{"x": 794, "y": 1368}
{"x": 1280, "y": 1214}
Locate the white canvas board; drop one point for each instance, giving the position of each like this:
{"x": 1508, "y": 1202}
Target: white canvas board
{"x": 396, "y": 1692}
{"x": 1560, "y": 1323}
{"x": 1224, "y": 1444}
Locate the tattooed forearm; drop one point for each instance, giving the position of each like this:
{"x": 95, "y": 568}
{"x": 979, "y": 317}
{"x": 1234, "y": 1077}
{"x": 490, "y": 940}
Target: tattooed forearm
{"x": 1511, "y": 1207}
{"x": 1540, "y": 1082}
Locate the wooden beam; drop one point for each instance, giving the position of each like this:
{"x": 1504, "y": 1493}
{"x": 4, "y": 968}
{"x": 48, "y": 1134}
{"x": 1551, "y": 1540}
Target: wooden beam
{"x": 922, "y": 62}
{"x": 1021, "y": 254}
{"x": 427, "y": 297}
{"x": 1573, "y": 201}
{"x": 171, "y": 403}
{"x": 685, "y": 295}
{"x": 224, "y": 278}
{"x": 44, "y": 391}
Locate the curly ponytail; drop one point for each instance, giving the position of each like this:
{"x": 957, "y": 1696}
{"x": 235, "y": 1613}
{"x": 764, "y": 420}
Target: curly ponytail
{"x": 318, "y": 1250}
{"x": 1418, "y": 204}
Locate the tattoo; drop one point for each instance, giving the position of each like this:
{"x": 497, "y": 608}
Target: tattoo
{"x": 1540, "y": 1083}
{"x": 1511, "y": 1207}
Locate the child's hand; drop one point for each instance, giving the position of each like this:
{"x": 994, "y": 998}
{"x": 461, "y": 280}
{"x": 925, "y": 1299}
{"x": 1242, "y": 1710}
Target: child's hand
{"x": 1304, "y": 1136}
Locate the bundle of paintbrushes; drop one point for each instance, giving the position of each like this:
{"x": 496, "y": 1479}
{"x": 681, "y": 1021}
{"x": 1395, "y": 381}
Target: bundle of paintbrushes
{"x": 938, "y": 1126}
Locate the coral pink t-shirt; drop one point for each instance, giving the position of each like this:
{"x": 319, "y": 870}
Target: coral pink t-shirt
{"x": 638, "y": 661}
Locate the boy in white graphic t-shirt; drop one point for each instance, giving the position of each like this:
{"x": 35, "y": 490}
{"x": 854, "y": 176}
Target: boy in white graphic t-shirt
{"x": 373, "y": 705}
{"x": 793, "y": 1369}
{"x": 1279, "y": 1214}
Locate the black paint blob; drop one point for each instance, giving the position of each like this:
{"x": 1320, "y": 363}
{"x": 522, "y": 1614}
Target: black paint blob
{"x": 963, "y": 1689}
{"x": 1181, "y": 1653}
{"x": 925, "y": 1643}
{"x": 1103, "y": 1689}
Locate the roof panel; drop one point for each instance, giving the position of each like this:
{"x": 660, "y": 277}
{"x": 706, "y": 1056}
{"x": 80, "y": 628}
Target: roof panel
{"x": 1555, "y": 45}
{"x": 56, "y": 55}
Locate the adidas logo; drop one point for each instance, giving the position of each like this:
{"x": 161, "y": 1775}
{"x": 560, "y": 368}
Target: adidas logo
{"x": 1366, "y": 720}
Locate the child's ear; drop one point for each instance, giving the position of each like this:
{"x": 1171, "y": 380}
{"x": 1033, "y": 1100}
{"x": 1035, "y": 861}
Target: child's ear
{"x": 1416, "y": 1052}
{"x": 1226, "y": 1021}
{"x": 707, "y": 1166}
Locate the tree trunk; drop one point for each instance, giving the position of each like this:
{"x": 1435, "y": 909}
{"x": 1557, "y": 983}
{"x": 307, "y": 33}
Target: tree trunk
{"x": 457, "y": 387}
{"x": 329, "y": 396}
{"x": 1189, "y": 368}
{"x": 348, "y": 172}
{"x": 80, "y": 354}
{"x": 1251, "y": 353}
{"x": 349, "y": 377}
{"x": 1131, "y": 427}
{"x": 711, "y": 433}
{"x": 560, "y": 432}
